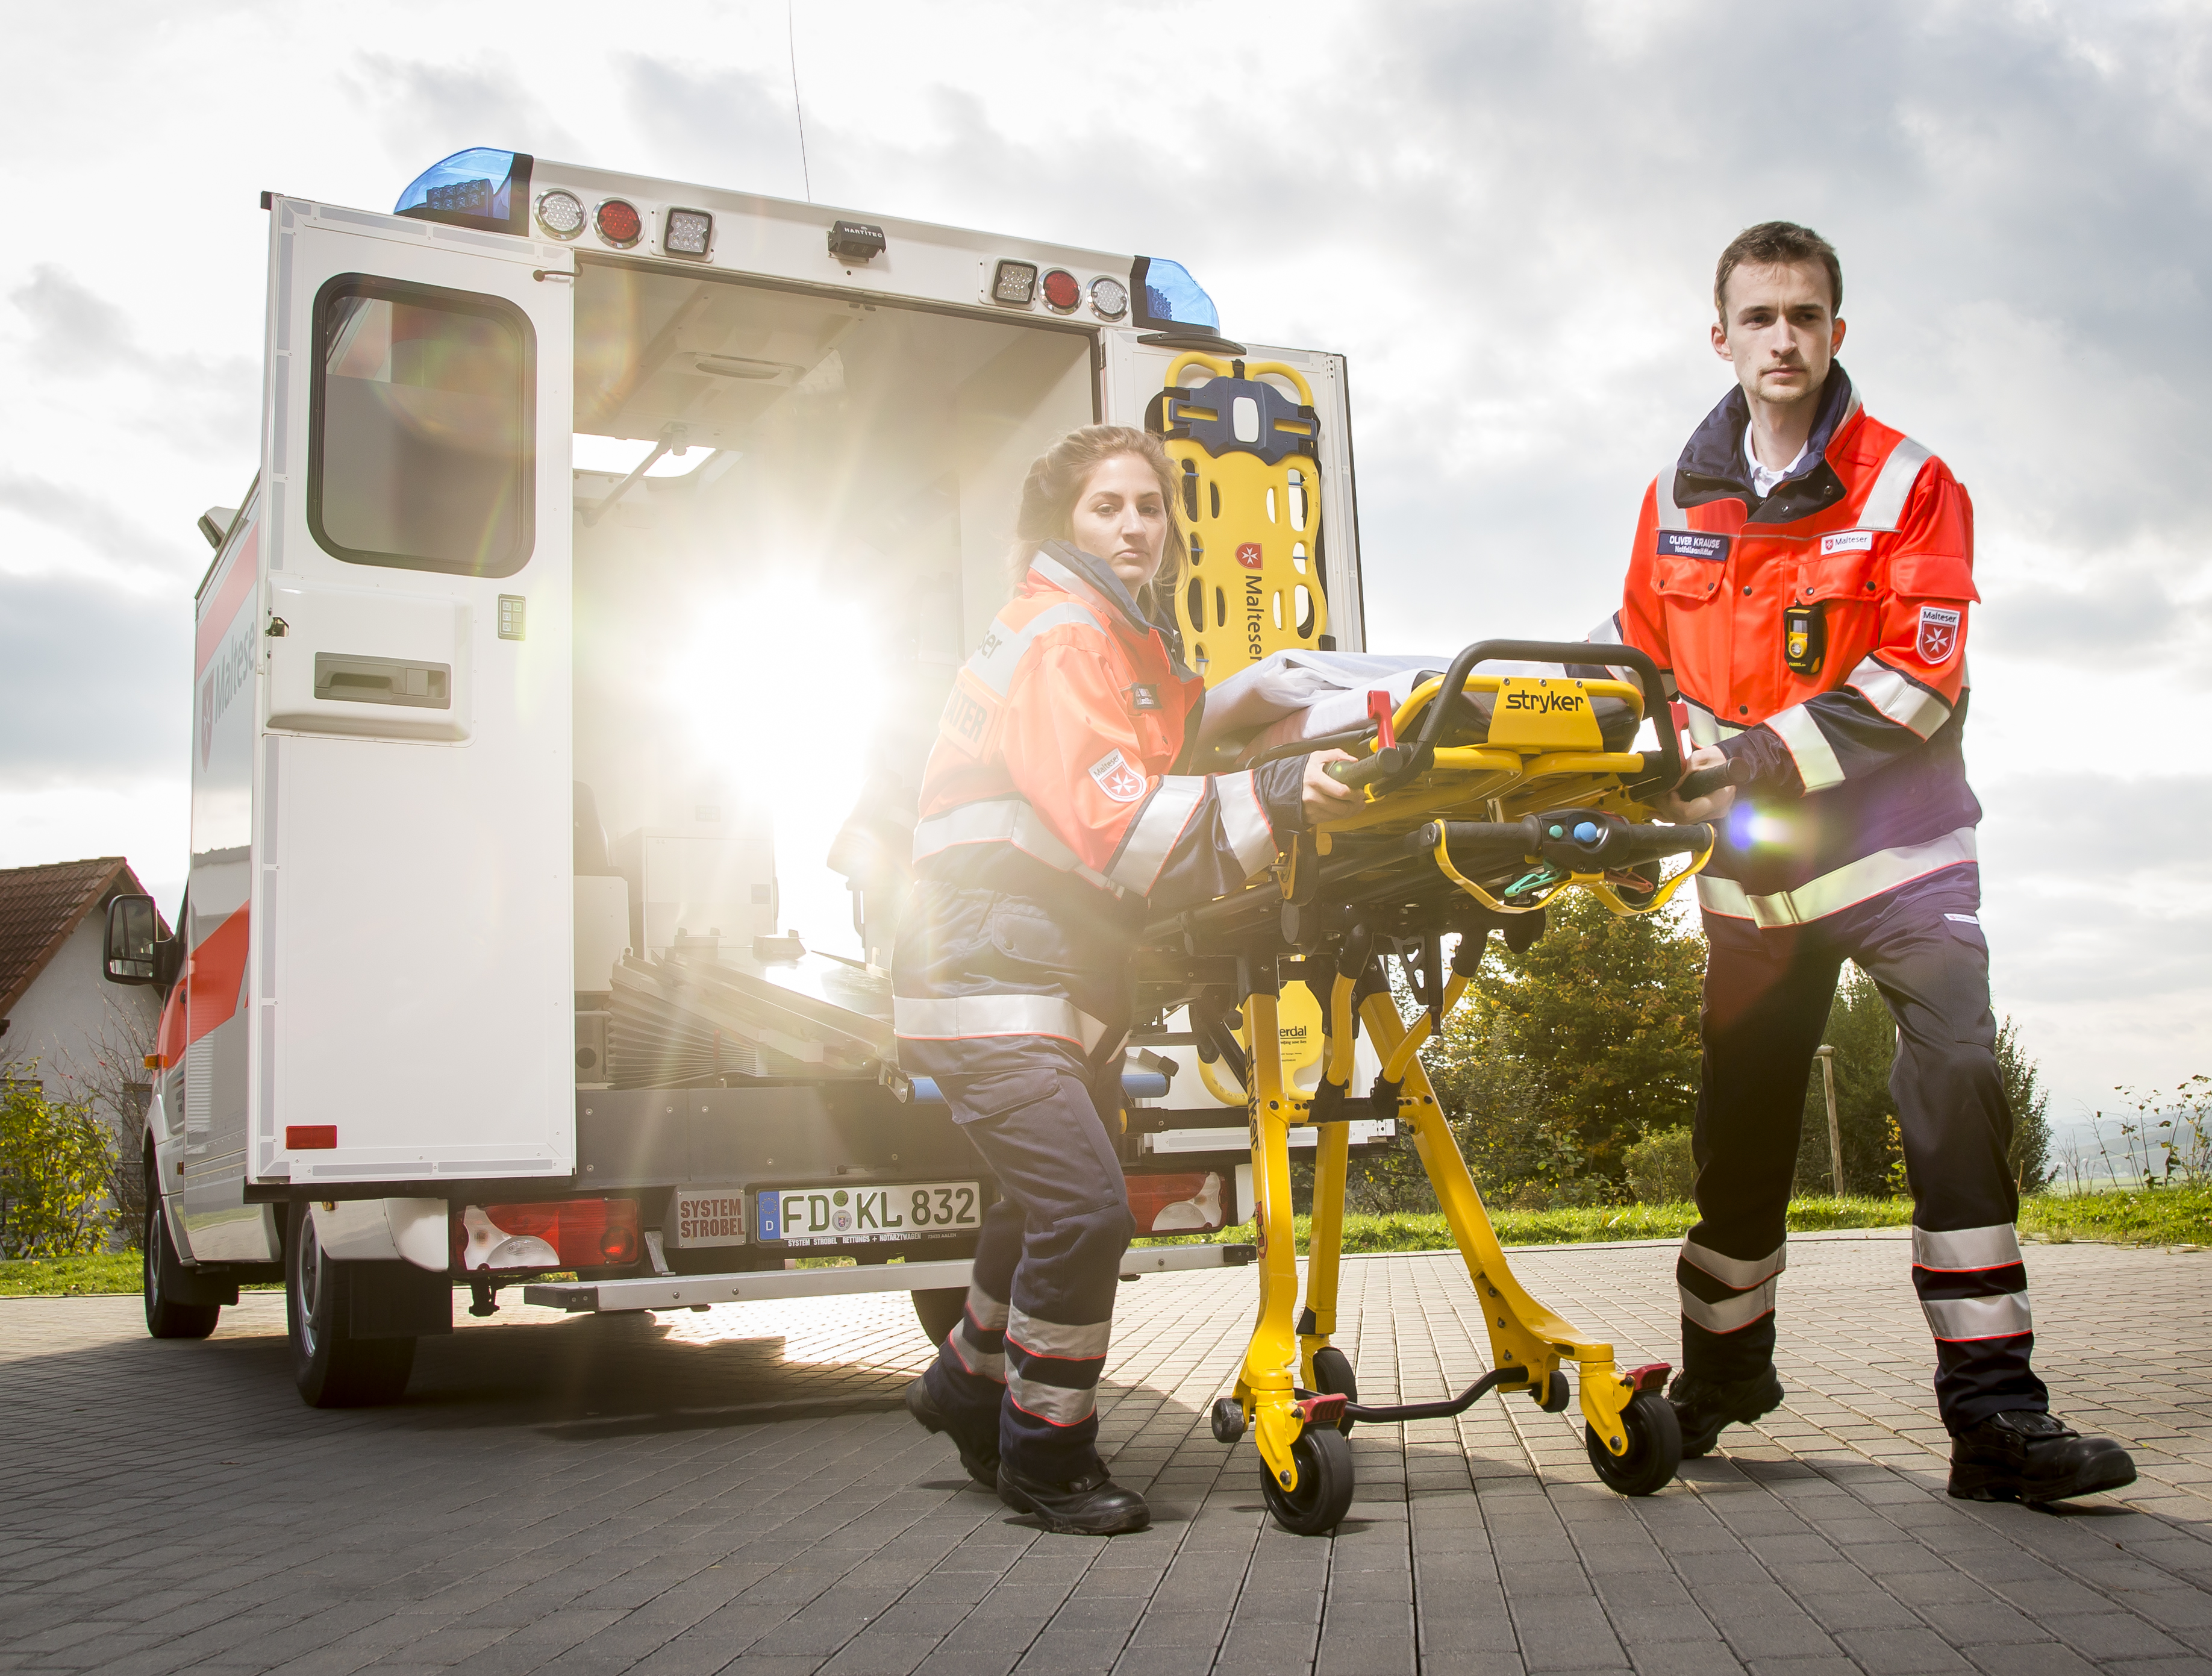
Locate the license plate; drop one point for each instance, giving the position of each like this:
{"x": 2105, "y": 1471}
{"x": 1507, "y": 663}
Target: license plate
{"x": 866, "y": 1215}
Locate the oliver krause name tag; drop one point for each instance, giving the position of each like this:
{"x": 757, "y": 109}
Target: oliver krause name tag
{"x": 1693, "y": 544}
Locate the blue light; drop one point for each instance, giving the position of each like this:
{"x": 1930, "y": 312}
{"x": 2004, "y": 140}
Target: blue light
{"x": 1172, "y": 297}
{"x": 1586, "y": 832}
{"x": 478, "y": 183}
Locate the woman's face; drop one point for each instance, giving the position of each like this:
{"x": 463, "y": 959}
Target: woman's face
{"x": 1122, "y": 517}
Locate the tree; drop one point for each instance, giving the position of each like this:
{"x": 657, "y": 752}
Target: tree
{"x": 2029, "y": 1156}
{"x": 56, "y": 1158}
{"x": 1865, "y": 1037}
{"x": 1561, "y": 1059}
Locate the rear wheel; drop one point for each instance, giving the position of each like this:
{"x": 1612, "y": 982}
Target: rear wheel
{"x": 333, "y": 1368}
{"x": 939, "y": 1310}
{"x": 158, "y": 1264}
{"x": 1655, "y": 1446}
{"x": 1317, "y": 1504}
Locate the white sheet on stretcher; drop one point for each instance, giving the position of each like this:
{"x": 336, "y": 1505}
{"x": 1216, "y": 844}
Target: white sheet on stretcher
{"x": 1305, "y": 695}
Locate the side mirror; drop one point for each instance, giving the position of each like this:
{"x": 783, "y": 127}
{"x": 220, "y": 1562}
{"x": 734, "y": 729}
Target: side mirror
{"x": 135, "y": 946}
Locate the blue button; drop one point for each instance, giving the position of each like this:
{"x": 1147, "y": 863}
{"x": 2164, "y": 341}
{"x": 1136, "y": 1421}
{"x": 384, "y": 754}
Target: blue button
{"x": 1586, "y": 833}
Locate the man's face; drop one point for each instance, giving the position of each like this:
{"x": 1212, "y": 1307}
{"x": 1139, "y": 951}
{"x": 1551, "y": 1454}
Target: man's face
{"x": 1779, "y": 332}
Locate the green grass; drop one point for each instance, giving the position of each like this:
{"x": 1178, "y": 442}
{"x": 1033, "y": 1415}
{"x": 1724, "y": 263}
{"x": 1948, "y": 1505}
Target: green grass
{"x": 2167, "y": 1216}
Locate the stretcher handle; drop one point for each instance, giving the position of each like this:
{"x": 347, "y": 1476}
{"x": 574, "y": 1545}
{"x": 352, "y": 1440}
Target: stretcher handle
{"x": 1705, "y": 781}
{"x": 1562, "y": 652}
{"x": 1398, "y": 1413}
{"x": 1587, "y": 840}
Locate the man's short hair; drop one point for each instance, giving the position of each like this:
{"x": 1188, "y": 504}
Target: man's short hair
{"x": 1778, "y": 242}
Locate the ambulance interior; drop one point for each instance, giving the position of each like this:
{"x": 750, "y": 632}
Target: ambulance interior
{"x": 772, "y": 613}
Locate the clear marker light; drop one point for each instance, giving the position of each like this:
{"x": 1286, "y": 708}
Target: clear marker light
{"x": 1014, "y": 282}
{"x": 690, "y": 232}
{"x": 1110, "y": 298}
{"x": 560, "y": 214}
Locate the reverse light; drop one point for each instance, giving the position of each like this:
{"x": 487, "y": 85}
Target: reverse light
{"x": 560, "y": 213}
{"x": 1062, "y": 291}
{"x": 688, "y": 233}
{"x": 564, "y": 1234}
{"x": 619, "y": 223}
{"x": 1110, "y": 298}
{"x": 1014, "y": 282}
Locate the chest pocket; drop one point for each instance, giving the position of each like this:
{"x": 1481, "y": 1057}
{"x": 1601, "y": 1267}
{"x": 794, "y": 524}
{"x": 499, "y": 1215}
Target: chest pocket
{"x": 1687, "y": 581}
{"x": 1933, "y": 576}
{"x": 1838, "y": 576}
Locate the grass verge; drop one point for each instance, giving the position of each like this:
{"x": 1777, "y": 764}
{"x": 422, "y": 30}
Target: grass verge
{"x": 2161, "y": 1216}
{"x": 70, "y": 1277}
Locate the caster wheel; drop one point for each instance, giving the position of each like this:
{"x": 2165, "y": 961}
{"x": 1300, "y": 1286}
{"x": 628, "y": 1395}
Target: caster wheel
{"x": 1557, "y": 1396}
{"x": 1655, "y": 1447}
{"x": 1228, "y": 1419}
{"x": 1332, "y": 1377}
{"x": 1318, "y": 1505}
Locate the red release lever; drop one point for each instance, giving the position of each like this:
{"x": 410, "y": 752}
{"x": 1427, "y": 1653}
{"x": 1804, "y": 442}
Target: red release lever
{"x": 1382, "y": 711}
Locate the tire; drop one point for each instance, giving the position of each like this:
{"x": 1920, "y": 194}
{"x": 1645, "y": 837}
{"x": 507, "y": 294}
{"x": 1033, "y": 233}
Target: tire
{"x": 1323, "y": 1495}
{"x": 1333, "y": 1376}
{"x": 1655, "y": 1447}
{"x": 333, "y": 1368}
{"x": 939, "y": 1310}
{"x": 158, "y": 1263}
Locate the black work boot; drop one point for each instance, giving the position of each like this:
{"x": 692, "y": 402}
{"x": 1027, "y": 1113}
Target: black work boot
{"x": 1703, "y": 1408}
{"x": 2026, "y": 1455}
{"x": 982, "y": 1463}
{"x": 1092, "y": 1505}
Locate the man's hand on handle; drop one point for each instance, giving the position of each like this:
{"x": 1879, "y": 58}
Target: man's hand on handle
{"x": 1710, "y": 807}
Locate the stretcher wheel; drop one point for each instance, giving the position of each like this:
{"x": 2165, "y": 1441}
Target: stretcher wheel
{"x": 1318, "y": 1505}
{"x": 1558, "y": 1395}
{"x": 1333, "y": 1376}
{"x": 1655, "y": 1446}
{"x": 1228, "y": 1419}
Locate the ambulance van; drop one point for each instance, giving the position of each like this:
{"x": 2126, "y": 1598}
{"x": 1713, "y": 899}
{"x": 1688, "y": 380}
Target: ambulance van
{"x": 560, "y": 687}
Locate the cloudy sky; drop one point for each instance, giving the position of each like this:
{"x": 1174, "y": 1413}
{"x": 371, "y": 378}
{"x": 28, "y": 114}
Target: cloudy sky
{"x": 1504, "y": 215}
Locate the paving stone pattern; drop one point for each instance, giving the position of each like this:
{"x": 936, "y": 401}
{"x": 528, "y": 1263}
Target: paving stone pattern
{"x": 734, "y": 1490}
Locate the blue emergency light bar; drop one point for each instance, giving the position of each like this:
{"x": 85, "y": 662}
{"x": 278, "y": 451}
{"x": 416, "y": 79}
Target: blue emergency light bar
{"x": 1168, "y": 296}
{"x": 482, "y": 188}
{"x": 1136, "y": 1084}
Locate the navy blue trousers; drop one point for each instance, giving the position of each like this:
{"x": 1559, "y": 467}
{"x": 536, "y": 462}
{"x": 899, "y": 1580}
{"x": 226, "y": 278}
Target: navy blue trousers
{"x": 1766, "y": 1001}
{"x": 1024, "y": 1363}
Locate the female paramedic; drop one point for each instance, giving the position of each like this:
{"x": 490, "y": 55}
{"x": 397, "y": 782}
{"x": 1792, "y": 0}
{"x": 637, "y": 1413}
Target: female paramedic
{"x": 1056, "y": 819}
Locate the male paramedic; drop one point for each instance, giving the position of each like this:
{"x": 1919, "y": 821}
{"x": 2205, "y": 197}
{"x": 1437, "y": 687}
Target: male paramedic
{"x": 1804, "y": 574}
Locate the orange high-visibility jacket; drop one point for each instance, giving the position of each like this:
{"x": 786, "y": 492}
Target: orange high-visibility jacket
{"x": 1057, "y": 816}
{"x": 1818, "y": 635}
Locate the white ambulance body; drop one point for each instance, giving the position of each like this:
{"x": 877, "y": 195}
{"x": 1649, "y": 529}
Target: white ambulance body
{"x": 609, "y": 534}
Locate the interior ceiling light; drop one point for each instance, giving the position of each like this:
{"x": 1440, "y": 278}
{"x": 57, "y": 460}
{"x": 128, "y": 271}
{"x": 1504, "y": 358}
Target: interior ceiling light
{"x": 1110, "y": 298}
{"x": 1062, "y": 291}
{"x": 1014, "y": 282}
{"x": 738, "y": 367}
{"x": 689, "y": 233}
{"x": 618, "y": 456}
{"x": 560, "y": 213}
{"x": 619, "y": 223}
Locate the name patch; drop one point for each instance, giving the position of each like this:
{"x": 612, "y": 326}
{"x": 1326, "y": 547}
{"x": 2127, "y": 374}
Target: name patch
{"x": 1847, "y": 541}
{"x": 1939, "y": 633}
{"x": 1693, "y": 544}
{"x": 1116, "y": 778}
{"x": 1144, "y": 698}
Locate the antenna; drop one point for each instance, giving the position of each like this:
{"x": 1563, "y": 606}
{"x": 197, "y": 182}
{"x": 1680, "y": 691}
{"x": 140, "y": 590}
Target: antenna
{"x": 796, "y": 109}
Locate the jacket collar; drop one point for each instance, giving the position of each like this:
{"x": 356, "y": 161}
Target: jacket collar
{"x": 1712, "y": 468}
{"x": 1067, "y": 566}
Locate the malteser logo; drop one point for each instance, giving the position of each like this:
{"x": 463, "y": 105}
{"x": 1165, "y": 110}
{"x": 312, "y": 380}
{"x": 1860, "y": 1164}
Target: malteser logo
{"x": 1247, "y": 554}
{"x": 1939, "y": 633}
{"x": 1116, "y": 778}
{"x": 228, "y": 675}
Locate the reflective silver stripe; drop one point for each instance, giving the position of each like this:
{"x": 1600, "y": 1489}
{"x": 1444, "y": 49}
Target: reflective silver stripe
{"x": 1996, "y": 1247}
{"x": 1730, "y": 1315}
{"x": 1608, "y": 633}
{"x": 989, "y": 1364}
{"x": 1003, "y": 821}
{"x": 988, "y": 1313}
{"x": 1161, "y": 818}
{"x": 1815, "y": 757}
{"x": 1056, "y": 1403}
{"x": 1058, "y": 1339}
{"x": 1885, "y": 502}
{"x": 995, "y": 661}
{"x": 1244, "y": 819}
{"x": 1705, "y": 728}
{"x": 1831, "y": 893}
{"x": 1737, "y": 1272}
{"x": 955, "y": 1018}
{"x": 1671, "y": 517}
{"x": 1905, "y": 703}
{"x": 1952, "y": 1319}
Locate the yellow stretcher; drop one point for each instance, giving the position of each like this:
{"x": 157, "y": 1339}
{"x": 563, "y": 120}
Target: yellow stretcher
{"x": 1467, "y": 823}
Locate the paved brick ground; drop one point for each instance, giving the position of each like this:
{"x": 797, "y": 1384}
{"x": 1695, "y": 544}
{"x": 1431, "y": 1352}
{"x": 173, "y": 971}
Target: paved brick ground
{"x": 728, "y": 1490}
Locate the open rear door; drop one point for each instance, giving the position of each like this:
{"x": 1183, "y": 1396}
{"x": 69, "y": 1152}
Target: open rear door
{"x": 411, "y": 838}
{"x": 1260, "y": 536}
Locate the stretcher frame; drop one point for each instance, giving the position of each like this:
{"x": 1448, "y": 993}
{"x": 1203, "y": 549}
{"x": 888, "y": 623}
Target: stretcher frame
{"x": 1561, "y": 812}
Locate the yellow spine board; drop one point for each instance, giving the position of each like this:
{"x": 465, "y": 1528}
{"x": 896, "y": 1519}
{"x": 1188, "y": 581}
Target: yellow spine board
{"x": 1253, "y": 584}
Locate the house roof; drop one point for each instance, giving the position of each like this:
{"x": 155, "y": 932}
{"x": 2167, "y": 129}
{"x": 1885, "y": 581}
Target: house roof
{"x": 40, "y": 907}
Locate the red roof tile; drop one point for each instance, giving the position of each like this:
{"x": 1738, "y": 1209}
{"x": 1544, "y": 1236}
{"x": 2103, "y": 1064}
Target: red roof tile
{"x": 39, "y": 906}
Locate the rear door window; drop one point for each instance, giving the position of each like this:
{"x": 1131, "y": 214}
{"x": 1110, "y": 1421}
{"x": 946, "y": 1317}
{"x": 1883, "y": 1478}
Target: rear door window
{"x": 420, "y": 455}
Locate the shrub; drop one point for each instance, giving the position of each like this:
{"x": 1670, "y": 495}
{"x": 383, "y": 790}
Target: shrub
{"x": 56, "y": 1159}
{"x": 1661, "y": 1170}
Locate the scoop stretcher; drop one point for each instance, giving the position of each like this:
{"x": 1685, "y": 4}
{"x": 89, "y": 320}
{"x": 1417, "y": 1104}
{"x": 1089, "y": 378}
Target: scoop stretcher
{"x": 1481, "y": 796}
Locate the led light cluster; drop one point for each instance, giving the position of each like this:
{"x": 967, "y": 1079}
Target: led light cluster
{"x": 689, "y": 233}
{"x": 560, "y": 213}
{"x": 619, "y": 223}
{"x": 1019, "y": 285}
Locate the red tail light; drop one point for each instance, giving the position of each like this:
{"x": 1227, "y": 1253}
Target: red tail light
{"x": 565, "y": 1234}
{"x": 310, "y": 1137}
{"x": 1195, "y": 1202}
